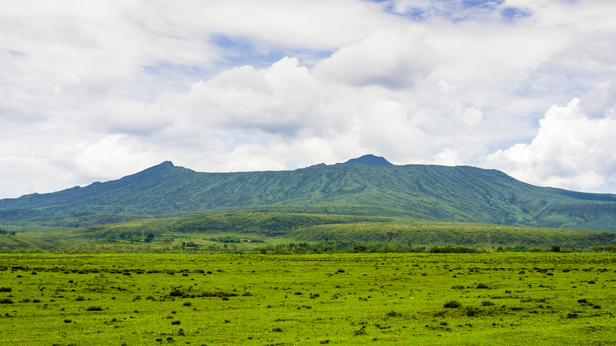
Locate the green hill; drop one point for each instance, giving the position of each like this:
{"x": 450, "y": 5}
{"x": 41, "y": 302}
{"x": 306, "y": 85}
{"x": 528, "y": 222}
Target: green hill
{"x": 420, "y": 192}
{"x": 204, "y": 229}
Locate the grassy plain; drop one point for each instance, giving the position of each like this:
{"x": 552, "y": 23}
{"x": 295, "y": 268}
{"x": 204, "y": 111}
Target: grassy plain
{"x": 341, "y": 299}
{"x": 270, "y": 229}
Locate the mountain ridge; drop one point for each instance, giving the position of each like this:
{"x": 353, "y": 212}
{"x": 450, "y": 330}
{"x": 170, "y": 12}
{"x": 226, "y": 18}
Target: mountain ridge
{"x": 427, "y": 192}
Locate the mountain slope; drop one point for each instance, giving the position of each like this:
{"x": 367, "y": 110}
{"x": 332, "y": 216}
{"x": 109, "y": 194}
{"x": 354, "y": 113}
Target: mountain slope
{"x": 426, "y": 192}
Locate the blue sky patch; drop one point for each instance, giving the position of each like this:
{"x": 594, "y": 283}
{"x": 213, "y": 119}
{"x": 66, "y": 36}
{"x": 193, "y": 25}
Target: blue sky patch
{"x": 489, "y": 4}
{"x": 512, "y": 13}
{"x": 240, "y": 52}
{"x": 16, "y": 54}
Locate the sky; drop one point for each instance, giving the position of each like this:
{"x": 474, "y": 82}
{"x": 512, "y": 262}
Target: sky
{"x": 96, "y": 90}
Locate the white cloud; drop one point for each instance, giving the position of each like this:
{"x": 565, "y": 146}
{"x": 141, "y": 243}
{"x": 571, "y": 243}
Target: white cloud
{"x": 26, "y": 175}
{"x": 393, "y": 58}
{"x": 448, "y": 157}
{"x": 471, "y": 116}
{"x": 100, "y": 89}
{"x": 113, "y": 156}
{"x": 601, "y": 102}
{"x": 285, "y": 105}
{"x": 569, "y": 151}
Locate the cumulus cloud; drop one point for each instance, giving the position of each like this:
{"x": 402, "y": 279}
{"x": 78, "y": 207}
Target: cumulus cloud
{"x": 273, "y": 100}
{"x": 285, "y": 105}
{"x": 569, "y": 151}
{"x": 101, "y": 89}
{"x": 448, "y": 157}
{"x": 393, "y": 58}
{"x": 112, "y": 156}
{"x": 601, "y": 102}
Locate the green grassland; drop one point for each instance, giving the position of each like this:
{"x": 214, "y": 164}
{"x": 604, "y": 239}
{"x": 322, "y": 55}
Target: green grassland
{"x": 254, "y": 231}
{"x": 373, "y": 299}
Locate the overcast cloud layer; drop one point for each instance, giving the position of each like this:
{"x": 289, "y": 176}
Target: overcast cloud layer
{"x": 95, "y": 90}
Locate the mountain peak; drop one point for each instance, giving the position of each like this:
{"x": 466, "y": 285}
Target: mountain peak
{"x": 368, "y": 160}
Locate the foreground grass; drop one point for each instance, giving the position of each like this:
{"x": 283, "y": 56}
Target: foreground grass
{"x": 436, "y": 299}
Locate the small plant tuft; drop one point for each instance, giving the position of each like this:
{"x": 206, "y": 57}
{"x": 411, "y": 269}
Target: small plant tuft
{"x": 452, "y": 304}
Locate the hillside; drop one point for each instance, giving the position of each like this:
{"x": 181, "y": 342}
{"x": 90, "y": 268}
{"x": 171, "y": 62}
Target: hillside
{"x": 424, "y": 192}
{"x": 251, "y": 231}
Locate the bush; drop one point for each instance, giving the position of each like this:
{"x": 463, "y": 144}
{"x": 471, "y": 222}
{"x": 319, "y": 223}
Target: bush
{"x": 486, "y": 303}
{"x": 5, "y": 289}
{"x": 94, "y": 308}
{"x": 394, "y": 314}
{"x": 6, "y": 301}
{"x": 471, "y": 311}
{"x": 451, "y": 249}
{"x": 452, "y": 304}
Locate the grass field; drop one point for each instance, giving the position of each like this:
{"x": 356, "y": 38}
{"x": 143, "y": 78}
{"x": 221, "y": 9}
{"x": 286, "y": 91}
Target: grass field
{"x": 257, "y": 230}
{"x": 343, "y": 299}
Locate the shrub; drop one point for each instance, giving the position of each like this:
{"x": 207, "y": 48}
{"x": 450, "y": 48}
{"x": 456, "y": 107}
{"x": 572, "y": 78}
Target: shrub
{"x": 482, "y": 286}
{"x": 486, "y": 303}
{"x": 176, "y": 293}
{"x": 187, "y": 304}
{"x": 94, "y": 308}
{"x": 394, "y": 314}
{"x": 79, "y": 299}
{"x": 175, "y": 322}
{"x": 5, "y": 289}
{"x": 6, "y": 301}
{"x": 361, "y": 331}
{"x": 452, "y": 304}
{"x": 471, "y": 311}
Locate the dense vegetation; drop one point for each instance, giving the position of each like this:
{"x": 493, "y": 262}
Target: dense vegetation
{"x": 436, "y": 193}
{"x": 252, "y": 232}
{"x": 352, "y": 299}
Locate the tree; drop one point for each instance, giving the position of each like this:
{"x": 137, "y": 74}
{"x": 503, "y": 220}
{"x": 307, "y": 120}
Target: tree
{"x": 149, "y": 238}
{"x": 597, "y": 248}
{"x": 555, "y": 248}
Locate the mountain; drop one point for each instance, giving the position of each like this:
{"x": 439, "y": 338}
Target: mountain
{"x": 368, "y": 160}
{"x": 425, "y": 192}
